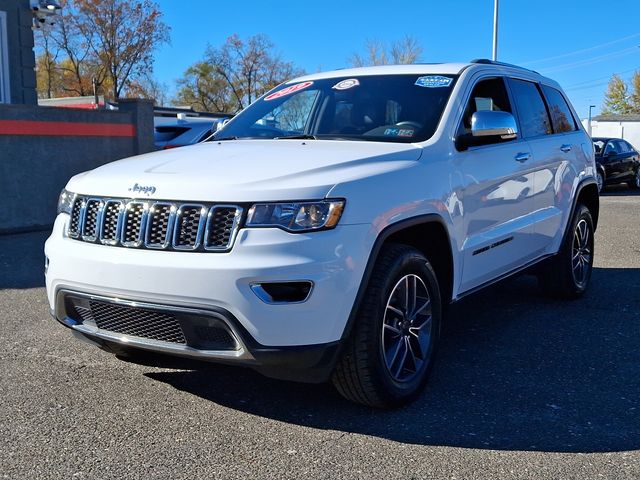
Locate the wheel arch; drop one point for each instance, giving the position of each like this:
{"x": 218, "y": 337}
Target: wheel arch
{"x": 429, "y": 234}
{"x": 587, "y": 195}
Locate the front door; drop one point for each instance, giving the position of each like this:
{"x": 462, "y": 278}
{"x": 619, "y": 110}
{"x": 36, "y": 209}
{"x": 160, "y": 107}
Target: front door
{"x": 498, "y": 181}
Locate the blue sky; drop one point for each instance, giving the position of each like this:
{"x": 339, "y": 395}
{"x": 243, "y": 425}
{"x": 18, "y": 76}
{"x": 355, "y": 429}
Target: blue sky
{"x": 579, "y": 43}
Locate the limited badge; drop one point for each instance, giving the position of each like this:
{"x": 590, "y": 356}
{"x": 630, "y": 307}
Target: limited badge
{"x": 289, "y": 90}
{"x": 433, "y": 81}
{"x": 346, "y": 84}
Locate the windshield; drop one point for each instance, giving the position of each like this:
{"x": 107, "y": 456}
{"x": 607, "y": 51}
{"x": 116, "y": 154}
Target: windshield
{"x": 385, "y": 108}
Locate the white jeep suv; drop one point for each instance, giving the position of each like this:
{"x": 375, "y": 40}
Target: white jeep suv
{"x": 322, "y": 231}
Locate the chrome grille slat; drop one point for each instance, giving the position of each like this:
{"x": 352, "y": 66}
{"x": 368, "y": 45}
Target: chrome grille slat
{"x": 76, "y": 218}
{"x": 222, "y": 223}
{"x": 133, "y": 223}
{"x": 91, "y": 223}
{"x": 159, "y": 225}
{"x": 187, "y": 233}
{"x": 111, "y": 222}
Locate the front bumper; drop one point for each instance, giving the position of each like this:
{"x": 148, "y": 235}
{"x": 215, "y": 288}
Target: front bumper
{"x": 218, "y": 285}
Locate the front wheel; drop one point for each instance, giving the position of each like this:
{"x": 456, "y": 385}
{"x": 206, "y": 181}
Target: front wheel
{"x": 568, "y": 273}
{"x": 389, "y": 353}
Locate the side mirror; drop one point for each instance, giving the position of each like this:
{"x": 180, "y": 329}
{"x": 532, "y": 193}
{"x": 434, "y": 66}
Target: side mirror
{"x": 489, "y": 123}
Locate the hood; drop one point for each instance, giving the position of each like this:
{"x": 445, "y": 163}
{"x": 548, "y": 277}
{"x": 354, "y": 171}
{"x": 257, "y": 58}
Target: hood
{"x": 245, "y": 170}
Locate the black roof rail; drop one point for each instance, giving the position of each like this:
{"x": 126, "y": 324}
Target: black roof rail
{"x": 486, "y": 61}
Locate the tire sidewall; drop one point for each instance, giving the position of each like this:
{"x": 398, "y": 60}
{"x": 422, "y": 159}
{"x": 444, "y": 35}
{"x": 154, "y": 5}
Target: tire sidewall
{"x": 412, "y": 263}
{"x": 582, "y": 213}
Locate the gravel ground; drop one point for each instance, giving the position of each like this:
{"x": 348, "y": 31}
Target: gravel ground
{"x": 524, "y": 387}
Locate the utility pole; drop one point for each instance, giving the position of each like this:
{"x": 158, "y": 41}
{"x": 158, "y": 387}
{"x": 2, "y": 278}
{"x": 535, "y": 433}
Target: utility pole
{"x": 589, "y": 121}
{"x": 495, "y": 29}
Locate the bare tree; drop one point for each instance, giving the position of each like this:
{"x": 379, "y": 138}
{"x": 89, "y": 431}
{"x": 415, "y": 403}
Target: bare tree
{"x": 405, "y": 51}
{"x": 109, "y": 41}
{"x": 47, "y": 75}
{"x": 123, "y": 35}
{"x": 232, "y": 76}
{"x": 145, "y": 86}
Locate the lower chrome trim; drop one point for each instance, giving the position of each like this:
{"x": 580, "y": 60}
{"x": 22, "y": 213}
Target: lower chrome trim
{"x": 163, "y": 347}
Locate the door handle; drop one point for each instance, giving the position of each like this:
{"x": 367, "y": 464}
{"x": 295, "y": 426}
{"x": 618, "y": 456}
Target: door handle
{"x": 523, "y": 157}
{"x": 565, "y": 148}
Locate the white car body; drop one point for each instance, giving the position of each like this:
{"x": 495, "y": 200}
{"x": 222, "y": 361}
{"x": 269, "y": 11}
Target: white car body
{"x": 493, "y": 228}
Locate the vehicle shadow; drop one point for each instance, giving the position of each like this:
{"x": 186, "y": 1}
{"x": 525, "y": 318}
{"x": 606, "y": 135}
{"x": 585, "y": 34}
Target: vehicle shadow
{"x": 620, "y": 190}
{"x": 22, "y": 260}
{"x": 515, "y": 371}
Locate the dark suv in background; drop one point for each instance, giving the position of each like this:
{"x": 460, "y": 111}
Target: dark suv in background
{"x": 177, "y": 127}
{"x": 617, "y": 162}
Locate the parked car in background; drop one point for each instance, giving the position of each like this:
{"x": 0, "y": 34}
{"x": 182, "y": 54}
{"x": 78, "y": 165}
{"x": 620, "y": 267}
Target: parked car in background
{"x": 617, "y": 162}
{"x": 175, "y": 127}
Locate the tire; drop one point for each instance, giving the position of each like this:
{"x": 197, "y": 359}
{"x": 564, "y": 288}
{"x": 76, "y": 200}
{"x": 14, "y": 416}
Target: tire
{"x": 388, "y": 355}
{"x": 568, "y": 273}
{"x": 635, "y": 183}
{"x": 600, "y": 180}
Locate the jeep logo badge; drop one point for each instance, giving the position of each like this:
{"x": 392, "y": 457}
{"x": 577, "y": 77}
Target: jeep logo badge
{"x": 146, "y": 189}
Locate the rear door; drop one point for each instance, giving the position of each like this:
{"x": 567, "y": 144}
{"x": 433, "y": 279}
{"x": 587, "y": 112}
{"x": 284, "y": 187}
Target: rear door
{"x": 628, "y": 159}
{"x": 613, "y": 161}
{"x": 556, "y": 142}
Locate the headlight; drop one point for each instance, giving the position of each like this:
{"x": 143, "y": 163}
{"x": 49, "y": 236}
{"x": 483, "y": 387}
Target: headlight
{"x": 65, "y": 202}
{"x": 296, "y": 217}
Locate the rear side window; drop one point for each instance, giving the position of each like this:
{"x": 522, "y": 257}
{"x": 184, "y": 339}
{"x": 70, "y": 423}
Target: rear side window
{"x": 629, "y": 147}
{"x": 561, "y": 116}
{"x": 534, "y": 119}
{"x": 622, "y": 146}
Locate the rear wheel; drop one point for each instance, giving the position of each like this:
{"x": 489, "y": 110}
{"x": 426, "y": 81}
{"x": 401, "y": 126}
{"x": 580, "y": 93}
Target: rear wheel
{"x": 568, "y": 273}
{"x": 635, "y": 183}
{"x": 389, "y": 353}
{"x": 600, "y": 180}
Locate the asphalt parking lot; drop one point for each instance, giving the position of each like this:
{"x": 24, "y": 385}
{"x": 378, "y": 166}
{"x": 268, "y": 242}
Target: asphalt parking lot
{"x": 524, "y": 387}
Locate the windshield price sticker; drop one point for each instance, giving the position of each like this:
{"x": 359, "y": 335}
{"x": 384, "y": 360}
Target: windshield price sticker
{"x": 289, "y": 90}
{"x": 433, "y": 81}
{"x": 346, "y": 84}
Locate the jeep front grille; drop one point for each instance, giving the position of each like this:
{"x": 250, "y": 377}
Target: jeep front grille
{"x": 155, "y": 225}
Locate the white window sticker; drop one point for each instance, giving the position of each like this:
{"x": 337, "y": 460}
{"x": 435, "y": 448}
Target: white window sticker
{"x": 346, "y": 84}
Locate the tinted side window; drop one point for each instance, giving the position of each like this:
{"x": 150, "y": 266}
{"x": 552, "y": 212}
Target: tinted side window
{"x": 621, "y": 146}
{"x": 490, "y": 94}
{"x": 534, "y": 119}
{"x": 629, "y": 147}
{"x": 561, "y": 117}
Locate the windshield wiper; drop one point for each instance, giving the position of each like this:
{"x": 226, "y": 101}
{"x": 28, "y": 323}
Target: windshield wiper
{"x": 223, "y": 139}
{"x": 300, "y": 136}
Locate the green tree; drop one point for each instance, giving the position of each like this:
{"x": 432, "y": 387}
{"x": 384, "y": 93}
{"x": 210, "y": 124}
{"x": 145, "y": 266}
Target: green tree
{"x": 617, "y": 99}
{"x": 635, "y": 95}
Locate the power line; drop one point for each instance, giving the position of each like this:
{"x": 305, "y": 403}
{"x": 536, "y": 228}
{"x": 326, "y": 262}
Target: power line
{"x": 584, "y": 50}
{"x": 584, "y": 63}
{"x": 599, "y": 79}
